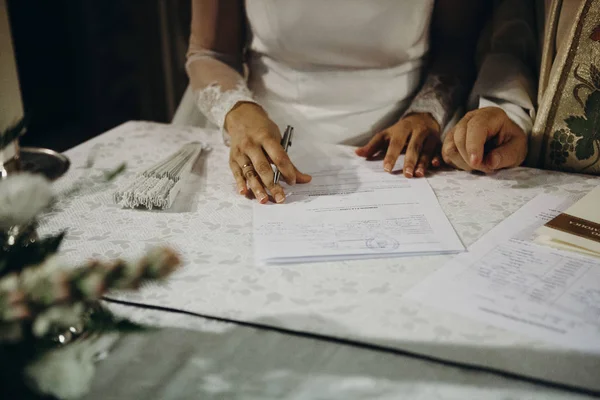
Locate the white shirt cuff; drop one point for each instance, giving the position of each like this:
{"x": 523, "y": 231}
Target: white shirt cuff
{"x": 517, "y": 114}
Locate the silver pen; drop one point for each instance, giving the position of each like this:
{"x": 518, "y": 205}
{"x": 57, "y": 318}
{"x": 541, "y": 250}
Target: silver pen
{"x": 286, "y": 142}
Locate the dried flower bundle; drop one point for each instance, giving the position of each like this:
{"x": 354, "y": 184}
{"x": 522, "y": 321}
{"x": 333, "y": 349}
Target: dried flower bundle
{"x": 41, "y": 296}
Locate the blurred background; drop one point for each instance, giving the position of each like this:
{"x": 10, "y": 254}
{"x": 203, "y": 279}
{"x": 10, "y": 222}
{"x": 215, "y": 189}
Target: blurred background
{"x": 85, "y": 66}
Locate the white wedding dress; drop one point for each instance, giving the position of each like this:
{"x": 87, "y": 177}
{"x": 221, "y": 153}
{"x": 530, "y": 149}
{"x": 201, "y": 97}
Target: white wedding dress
{"x": 336, "y": 70}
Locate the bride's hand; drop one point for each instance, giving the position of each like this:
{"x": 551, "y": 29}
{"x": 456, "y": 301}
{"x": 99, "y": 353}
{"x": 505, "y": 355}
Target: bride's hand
{"x": 255, "y": 143}
{"x": 419, "y": 133}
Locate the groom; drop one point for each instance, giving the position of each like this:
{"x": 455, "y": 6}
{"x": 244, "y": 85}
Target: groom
{"x": 549, "y": 119}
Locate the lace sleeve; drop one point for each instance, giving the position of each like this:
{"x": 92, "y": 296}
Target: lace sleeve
{"x": 215, "y": 58}
{"x": 440, "y": 96}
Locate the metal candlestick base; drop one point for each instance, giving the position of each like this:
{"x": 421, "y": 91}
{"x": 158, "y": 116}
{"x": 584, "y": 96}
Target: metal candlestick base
{"x": 36, "y": 160}
{"x": 47, "y": 162}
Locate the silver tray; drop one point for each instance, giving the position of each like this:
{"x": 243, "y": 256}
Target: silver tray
{"x": 43, "y": 161}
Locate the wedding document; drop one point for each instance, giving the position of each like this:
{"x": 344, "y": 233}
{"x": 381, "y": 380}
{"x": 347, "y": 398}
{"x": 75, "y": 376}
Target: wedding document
{"x": 351, "y": 209}
{"x": 507, "y": 280}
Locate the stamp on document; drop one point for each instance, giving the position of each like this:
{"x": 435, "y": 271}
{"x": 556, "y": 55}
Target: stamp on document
{"x": 382, "y": 242}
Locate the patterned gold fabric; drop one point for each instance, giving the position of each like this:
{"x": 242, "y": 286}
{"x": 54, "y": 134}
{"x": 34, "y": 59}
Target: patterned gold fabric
{"x": 566, "y": 134}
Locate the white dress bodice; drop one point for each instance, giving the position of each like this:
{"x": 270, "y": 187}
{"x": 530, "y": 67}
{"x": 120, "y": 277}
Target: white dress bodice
{"x": 337, "y": 70}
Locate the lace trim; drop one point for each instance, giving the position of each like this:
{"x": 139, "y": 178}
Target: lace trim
{"x": 440, "y": 96}
{"x": 215, "y": 103}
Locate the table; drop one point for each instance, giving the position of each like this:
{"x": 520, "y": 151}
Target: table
{"x": 225, "y": 361}
{"x": 211, "y": 227}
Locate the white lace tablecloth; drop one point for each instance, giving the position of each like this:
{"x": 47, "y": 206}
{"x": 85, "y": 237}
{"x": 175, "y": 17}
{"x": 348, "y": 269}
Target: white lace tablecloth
{"x": 211, "y": 226}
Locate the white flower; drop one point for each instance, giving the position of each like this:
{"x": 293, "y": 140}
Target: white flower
{"x": 9, "y": 283}
{"x": 22, "y": 197}
{"x": 67, "y": 372}
{"x": 46, "y": 282}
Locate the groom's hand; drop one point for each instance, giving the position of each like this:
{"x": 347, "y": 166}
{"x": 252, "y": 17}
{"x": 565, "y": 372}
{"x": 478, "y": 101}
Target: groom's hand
{"x": 485, "y": 140}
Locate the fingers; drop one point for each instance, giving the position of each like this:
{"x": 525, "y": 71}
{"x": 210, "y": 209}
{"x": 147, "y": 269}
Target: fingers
{"x": 397, "y": 143}
{"x": 301, "y": 177}
{"x": 251, "y": 177}
{"x": 250, "y": 163}
{"x": 510, "y": 154}
{"x": 280, "y": 159}
{"x": 413, "y": 152}
{"x": 375, "y": 145}
{"x": 459, "y": 134}
{"x": 414, "y": 130}
{"x": 436, "y": 161}
{"x": 485, "y": 124}
{"x": 476, "y": 132}
{"x": 451, "y": 155}
{"x": 255, "y": 144}
{"x": 259, "y": 160}
{"x": 246, "y": 177}
{"x": 263, "y": 168}
{"x": 476, "y": 136}
{"x": 255, "y": 185}
{"x": 479, "y": 132}
{"x": 464, "y": 144}
{"x": 238, "y": 175}
{"x": 429, "y": 147}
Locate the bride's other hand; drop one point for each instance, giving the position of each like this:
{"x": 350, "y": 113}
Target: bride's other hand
{"x": 255, "y": 142}
{"x": 419, "y": 133}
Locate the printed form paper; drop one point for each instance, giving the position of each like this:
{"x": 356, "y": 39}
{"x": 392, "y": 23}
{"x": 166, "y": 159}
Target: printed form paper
{"x": 351, "y": 209}
{"x": 508, "y": 281}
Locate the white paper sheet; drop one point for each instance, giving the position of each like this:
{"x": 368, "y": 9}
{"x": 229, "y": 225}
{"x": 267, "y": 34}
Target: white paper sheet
{"x": 351, "y": 209}
{"x": 507, "y": 280}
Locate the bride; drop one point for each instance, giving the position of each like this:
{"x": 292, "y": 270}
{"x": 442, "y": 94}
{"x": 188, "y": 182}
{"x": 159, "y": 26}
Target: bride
{"x": 386, "y": 75}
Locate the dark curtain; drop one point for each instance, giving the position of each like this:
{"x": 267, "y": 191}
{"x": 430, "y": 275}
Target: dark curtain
{"x": 86, "y": 66}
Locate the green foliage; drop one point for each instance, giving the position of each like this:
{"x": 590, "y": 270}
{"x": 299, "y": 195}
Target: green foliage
{"x": 586, "y": 128}
{"x": 111, "y": 175}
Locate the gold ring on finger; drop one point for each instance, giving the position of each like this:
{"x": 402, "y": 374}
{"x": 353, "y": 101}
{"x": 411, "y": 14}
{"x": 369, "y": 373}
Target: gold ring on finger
{"x": 249, "y": 173}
